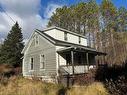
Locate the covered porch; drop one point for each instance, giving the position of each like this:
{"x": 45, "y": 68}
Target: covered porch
{"x": 78, "y": 60}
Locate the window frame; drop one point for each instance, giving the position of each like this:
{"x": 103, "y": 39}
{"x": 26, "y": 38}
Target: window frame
{"x": 79, "y": 40}
{"x": 42, "y": 62}
{"x": 36, "y": 40}
{"x": 65, "y": 36}
{"x": 31, "y": 63}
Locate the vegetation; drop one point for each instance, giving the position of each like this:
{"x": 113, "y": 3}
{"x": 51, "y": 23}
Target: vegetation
{"x": 10, "y": 52}
{"x": 104, "y": 25}
{"x": 114, "y": 78}
{"x": 93, "y": 89}
{"x": 106, "y": 29}
{"x": 90, "y": 17}
{"x": 117, "y": 87}
{"x": 21, "y": 86}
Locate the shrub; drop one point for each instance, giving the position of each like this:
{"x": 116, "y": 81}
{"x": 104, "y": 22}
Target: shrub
{"x": 106, "y": 72}
{"x": 93, "y": 89}
{"x": 117, "y": 87}
{"x": 114, "y": 77}
{"x": 86, "y": 79}
{"x": 21, "y": 86}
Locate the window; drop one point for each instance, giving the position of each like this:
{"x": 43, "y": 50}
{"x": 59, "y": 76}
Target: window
{"x": 36, "y": 40}
{"x": 31, "y": 63}
{"x": 79, "y": 40}
{"x": 65, "y": 36}
{"x": 42, "y": 61}
{"x": 79, "y": 59}
{"x": 68, "y": 59}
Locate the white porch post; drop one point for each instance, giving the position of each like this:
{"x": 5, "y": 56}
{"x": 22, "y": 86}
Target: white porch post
{"x": 87, "y": 59}
{"x": 72, "y": 61}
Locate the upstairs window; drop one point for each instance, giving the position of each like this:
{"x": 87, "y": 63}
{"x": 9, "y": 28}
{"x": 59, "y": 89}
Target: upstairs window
{"x": 79, "y": 40}
{"x": 65, "y": 36}
{"x": 36, "y": 40}
{"x": 31, "y": 63}
{"x": 42, "y": 61}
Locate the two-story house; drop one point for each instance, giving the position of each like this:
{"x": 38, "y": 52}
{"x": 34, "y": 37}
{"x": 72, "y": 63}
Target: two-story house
{"x": 56, "y": 51}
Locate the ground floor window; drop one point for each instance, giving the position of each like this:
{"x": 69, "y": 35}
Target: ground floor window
{"x": 68, "y": 59}
{"x": 31, "y": 63}
{"x": 42, "y": 61}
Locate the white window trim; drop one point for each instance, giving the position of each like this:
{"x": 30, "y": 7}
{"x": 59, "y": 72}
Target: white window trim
{"x": 31, "y": 70}
{"x": 65, "y": 36}
{"x": 36, "y": 37}
{"x": 42, "y": 69}
{"x": 79, "y": 40}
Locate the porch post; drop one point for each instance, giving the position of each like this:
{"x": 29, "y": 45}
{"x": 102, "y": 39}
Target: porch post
{"x": 104, "y": 59}
{"x": 97, "y": 61}
{"x": 87, "y": 59}
{"x": 72, "y": 61}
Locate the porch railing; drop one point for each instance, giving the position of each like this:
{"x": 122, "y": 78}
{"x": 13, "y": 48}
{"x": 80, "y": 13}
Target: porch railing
{"x": 78, "y": 69}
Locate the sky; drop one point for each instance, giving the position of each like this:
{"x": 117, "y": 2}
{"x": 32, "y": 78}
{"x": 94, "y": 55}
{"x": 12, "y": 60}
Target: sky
{"x": 33, "y": 14}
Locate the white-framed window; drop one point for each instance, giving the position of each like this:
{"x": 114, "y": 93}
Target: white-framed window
{"x": 31, "y": 63}
{"x": 36, "y": 40}
{"x": 42, "y": 61}
{"x": 79, "y": 40}
{"x": 65, "y": 36}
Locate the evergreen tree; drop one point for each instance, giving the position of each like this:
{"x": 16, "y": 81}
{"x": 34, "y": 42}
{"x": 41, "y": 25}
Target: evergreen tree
{"x": 88, "y": 18}
{"x": 121, "y": 20}
{"x": 109, "y": 13}
{"x": 11, "y": 49}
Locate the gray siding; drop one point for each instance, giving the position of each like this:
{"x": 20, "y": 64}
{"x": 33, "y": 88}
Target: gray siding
{"x": 44, "y": 47}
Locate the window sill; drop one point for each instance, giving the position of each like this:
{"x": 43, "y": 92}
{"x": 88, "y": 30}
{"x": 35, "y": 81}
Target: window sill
{"x": 42, "y": 69}
{"x": 31, "y": 70}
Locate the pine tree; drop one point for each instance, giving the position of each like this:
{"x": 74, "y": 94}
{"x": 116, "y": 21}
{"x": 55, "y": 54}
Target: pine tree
{"x": 101, "y": 23}
{"x": 122, "y": 20}
{"x": 11, "y": 49}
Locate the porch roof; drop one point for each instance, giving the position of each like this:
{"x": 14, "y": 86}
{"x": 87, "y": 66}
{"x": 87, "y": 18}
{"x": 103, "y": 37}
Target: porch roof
{"x": 80, "y": 49}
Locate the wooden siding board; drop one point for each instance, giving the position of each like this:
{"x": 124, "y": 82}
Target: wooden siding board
{"x": 46, "y": 48}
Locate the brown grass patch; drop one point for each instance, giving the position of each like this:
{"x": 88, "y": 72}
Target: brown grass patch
{"x": 96, "y": 88}
{"x": 22, "y": 86}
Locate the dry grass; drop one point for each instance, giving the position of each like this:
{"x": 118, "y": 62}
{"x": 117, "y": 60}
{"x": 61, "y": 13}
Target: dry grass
{"x": 5, "y": 68}
{"x": 96, "y": 88}
{"x": 21, "y": 86}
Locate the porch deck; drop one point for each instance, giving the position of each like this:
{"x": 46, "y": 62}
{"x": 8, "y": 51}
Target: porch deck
{"x": 83, "y": 56}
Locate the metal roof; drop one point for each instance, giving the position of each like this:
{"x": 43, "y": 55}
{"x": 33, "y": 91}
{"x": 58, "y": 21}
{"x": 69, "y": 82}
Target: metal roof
{"x": 80, "y": 49}
{"x": 65, "y": 30}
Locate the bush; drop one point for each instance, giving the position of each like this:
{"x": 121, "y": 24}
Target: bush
{"x": 87, "y": 78}
{"x": 106, "y": 72}
{"x": 93, "y": 89}
{"x": 114, "y": 77}
{"x": 117, "y": 87}
{"x": 21, "y": 86}
{"x": 8, "y": 71}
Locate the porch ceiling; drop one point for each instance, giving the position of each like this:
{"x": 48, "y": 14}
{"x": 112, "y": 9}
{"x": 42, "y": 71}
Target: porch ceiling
{"x": 80, "y": 49}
